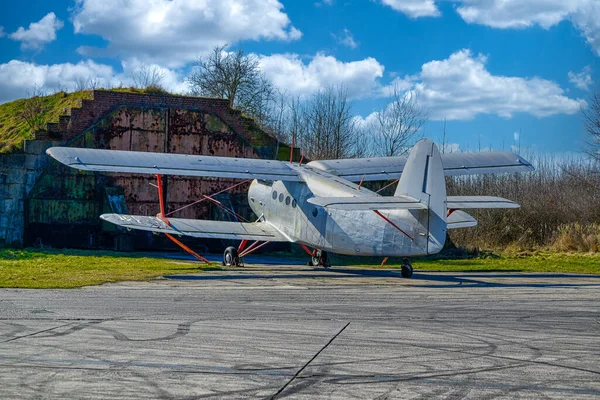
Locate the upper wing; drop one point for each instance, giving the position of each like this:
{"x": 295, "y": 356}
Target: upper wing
{"x": 173, "y": 164}
{"x": 369, "y": 203}
{"x": 384, "y": 168}
{"x": 199, "y": 228}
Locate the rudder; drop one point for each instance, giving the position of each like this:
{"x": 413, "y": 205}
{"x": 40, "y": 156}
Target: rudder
{"x": 423, "y": 179}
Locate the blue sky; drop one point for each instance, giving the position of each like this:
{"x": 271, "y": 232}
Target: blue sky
{"x": 491, "y": 68}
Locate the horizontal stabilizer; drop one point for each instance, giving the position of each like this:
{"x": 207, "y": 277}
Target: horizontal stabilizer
{"x": 460, "y": 219}
{"x": 199, "y": 228}
{"x": 369, "y": 203}
{"x": 456, "y": 202}
{"x": 139, "y": 162}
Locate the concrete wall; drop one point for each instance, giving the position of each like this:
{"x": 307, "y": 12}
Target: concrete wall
{"x": 18, "y": 175}
{"x": 45, "y": 203}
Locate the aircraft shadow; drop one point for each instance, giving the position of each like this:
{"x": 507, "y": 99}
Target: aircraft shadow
{"x": 425, "y": 279}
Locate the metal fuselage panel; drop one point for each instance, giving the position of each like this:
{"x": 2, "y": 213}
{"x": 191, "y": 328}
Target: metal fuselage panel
{"x": 284, "y": 205}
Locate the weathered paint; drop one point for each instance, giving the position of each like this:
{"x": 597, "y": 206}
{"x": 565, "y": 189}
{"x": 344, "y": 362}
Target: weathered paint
{"x": 64, "y": 198}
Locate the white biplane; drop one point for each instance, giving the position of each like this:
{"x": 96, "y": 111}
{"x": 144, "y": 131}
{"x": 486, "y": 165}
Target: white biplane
{"x": 318, "y": 205}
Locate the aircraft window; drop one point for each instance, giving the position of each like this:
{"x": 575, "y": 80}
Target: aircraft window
{"x": 287, "y": 201}
{"x": 274, "y": 194}
{"x": 281, "y": 197}
{"x": 294, "y": 204}
{"x": 315, "y": 212}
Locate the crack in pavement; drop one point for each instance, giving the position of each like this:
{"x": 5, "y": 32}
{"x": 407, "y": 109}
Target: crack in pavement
{"x": 308, "y": 363}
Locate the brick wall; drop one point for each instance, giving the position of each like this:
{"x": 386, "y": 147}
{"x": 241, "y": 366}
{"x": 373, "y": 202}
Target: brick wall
{"x": 91, "y": 111}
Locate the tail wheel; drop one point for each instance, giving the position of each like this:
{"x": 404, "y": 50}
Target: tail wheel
{"x": 231, "y": 257}
{"x": 320, "y": 259}
{"x": 407, "y": 270}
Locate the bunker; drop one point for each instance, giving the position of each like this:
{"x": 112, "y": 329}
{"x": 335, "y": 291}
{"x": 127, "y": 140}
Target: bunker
{"x": 46, "y": 204}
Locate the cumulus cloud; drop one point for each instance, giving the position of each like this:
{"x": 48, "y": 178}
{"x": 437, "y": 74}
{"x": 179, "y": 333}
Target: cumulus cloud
{"x": 516, "y": 14}
{"x": 2, "y": 34}
{"x": 460, "y": 88}
{"x": 414, "y": 8}
{"x": 174, "y": 32}
{"x": 583, "y": 79}
{"x": 290, "y": 73}
{"x": 18, "y": 77}
{"x": 39, "y": 33}
{"x": 346, "y": 39}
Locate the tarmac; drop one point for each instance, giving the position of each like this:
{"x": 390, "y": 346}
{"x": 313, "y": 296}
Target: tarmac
{"x": 290, "y": 331}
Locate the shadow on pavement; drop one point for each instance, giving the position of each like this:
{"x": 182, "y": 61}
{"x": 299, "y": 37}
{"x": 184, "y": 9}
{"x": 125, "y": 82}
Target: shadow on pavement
{"x": 421, "y": 279}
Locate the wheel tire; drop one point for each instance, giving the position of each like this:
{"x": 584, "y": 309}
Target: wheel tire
{"x": 407, "y": 271}
{"x": 325, "y": 260}
{"x": 320, "y": 259}
{"x": 230, "y": 257}
{"x": 316, "y": 259}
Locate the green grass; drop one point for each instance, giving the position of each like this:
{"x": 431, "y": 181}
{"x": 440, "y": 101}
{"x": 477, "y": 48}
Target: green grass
{"x": 14, "y": 129}
{"x": 580, "y": 263}
{"x": 76, "y": 268}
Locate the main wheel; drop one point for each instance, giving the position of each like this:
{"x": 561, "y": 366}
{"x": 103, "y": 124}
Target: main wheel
{"x": 230, "y": 257}
{"x": 320, "y": 259}
{"x": 407, "y": 271}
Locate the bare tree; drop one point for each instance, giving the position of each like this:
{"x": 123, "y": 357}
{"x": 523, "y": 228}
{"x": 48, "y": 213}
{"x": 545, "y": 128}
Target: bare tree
{"x": 147, "y": 77}
{"x": 397, "y": 124}
{"x": 81, "y": 84}
{"x": 35, "y": 109}
{"x": 591, "y": 115}
{"x": 233, "y": 76}
{"x": 324, "y": 125}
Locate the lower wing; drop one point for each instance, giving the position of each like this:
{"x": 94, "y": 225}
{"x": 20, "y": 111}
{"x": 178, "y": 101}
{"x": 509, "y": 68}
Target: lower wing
{"x": 199, "y": 228}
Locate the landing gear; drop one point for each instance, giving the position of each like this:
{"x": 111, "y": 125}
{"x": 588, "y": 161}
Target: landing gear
{"x": 231, "y": 257}
{"x": 320, "y": 259}
{"x": 407, "y": 269}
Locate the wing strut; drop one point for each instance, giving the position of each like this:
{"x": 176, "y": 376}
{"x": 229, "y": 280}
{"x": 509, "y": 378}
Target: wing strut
{"x": 162, "y": 215}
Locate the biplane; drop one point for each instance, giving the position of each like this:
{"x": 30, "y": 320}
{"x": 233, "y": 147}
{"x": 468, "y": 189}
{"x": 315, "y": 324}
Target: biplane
{"x": 319, "y": 205}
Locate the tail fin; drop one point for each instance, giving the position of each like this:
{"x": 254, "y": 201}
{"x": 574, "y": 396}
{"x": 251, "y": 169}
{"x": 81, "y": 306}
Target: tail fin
{"x": 423, "y": 179}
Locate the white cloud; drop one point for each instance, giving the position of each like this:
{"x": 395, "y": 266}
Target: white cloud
{"x": 288, "y": 72}
{"x": 347, "y": 39}
{"x": 2, "y": 34}
{"x": 171, "y": 80}
{"x": 38, "y": 33}
{"x": 516, "y": 136}
{"x": 450, "y": 148}
{"x": 414, "y": 8}
{"x": 583, "y": 79}
{"x": 174, "y": 32}
{"x": 460, "y": 88}
{"x": 515, "y": 14}
{"x": 18, "y": 77}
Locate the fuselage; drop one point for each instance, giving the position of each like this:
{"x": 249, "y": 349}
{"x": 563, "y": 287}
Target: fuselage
{"x": 284, "y": 205}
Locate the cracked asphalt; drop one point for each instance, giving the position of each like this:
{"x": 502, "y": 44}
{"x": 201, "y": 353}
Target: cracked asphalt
{"x": 299, "y": 332}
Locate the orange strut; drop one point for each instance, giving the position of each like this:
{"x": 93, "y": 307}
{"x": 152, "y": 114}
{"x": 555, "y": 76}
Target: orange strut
{"x": 183, "y": 246}
{"x": 310, "y": 253}
{"x": 161, "y": 215}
